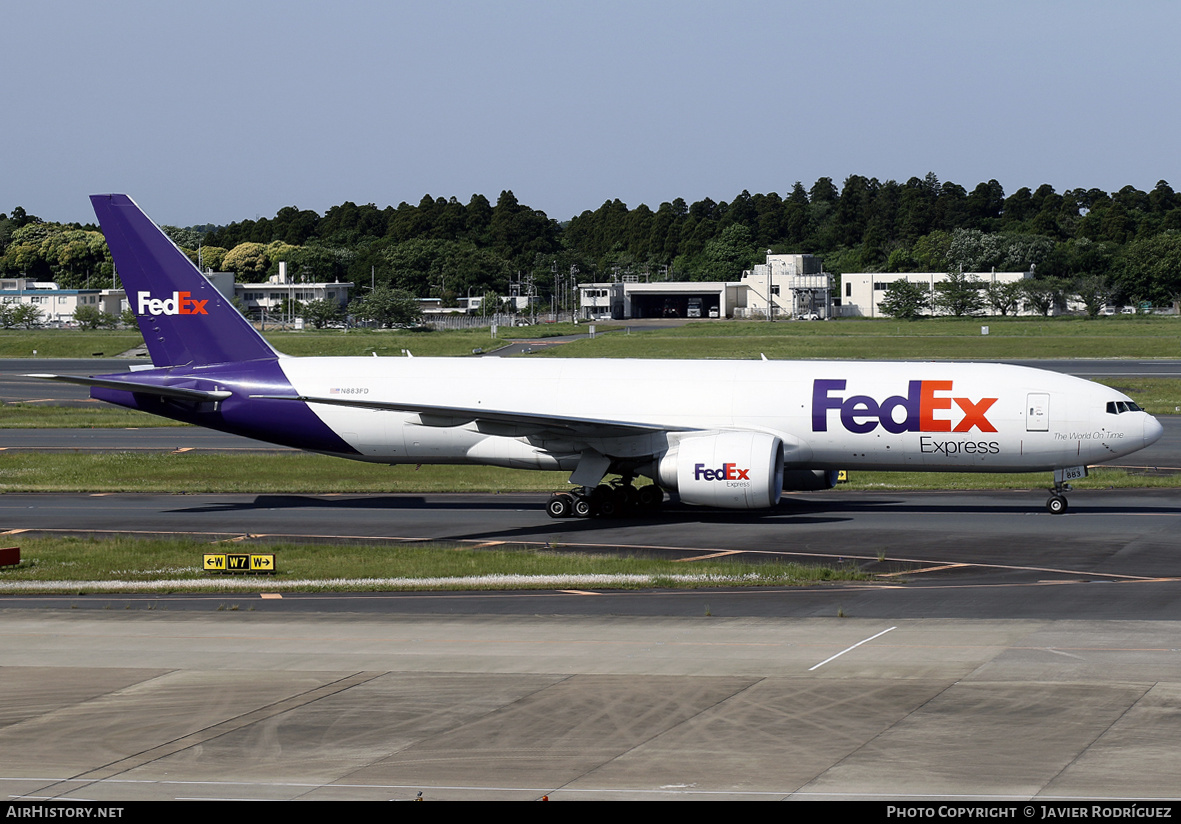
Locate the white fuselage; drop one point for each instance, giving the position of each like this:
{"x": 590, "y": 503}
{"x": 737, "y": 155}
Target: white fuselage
{"x": 829, "y": 414}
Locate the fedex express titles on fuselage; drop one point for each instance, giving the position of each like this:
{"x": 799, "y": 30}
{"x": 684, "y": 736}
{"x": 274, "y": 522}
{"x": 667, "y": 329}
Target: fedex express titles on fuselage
{"x": 945, "y": 423}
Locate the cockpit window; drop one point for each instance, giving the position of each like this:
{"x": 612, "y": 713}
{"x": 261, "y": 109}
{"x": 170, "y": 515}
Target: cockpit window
{"x": 1116, "y": 407}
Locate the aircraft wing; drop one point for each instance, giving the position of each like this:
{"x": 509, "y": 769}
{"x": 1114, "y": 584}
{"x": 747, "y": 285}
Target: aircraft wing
{"x": 499, "y": 422}
{"x": 174, "y": 392}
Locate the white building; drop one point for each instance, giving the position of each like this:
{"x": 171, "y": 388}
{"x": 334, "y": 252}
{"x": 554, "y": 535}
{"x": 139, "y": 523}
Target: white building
{"x": 862, "y": 292}
{"x": 785, "y": 286}
{"x": 279, "y": 289}
{"x": 475, "y": 305}
{"x": 667, "y": 299}
{"x": 57, "y": 305}
{"x": 789, "y": 286}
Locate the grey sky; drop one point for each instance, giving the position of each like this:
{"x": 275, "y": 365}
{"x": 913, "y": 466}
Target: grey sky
{"x": 219, "y": 111}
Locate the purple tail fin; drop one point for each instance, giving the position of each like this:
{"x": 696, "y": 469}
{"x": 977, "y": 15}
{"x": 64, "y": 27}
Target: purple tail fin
{"x": 184, "y": 319}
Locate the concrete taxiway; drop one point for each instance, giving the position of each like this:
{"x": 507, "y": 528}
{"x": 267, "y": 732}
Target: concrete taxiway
{"x": 137, "y": 704}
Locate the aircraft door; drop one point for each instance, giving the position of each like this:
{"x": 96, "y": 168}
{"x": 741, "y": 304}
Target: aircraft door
{"x": 1037, "y": 412}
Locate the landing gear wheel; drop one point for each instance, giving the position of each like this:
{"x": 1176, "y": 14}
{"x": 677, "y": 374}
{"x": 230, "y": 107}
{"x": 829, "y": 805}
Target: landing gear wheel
{"x": 650, "y": 497}
{"x": 1056, "y": 504}
{"x": 582, "y": 508}
{"x": 603, "y": 502}
{"x": 560, "y": 505}
{"x": 625, "y": 499}
{"x": 608, "y": 507}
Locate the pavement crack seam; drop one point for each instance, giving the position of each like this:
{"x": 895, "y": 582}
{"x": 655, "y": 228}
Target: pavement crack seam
{"x": 1099, "y": 735}
{"x": 108, "y": 771}
{"x": 660, "y": 733}
{"x": 885, "y": 730}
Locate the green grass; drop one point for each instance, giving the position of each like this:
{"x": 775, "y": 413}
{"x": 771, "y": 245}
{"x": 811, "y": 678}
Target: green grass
{"x": 1158, "y": 396}
{"x": 74, "y": 564}
{"x": 1025, "y": 327}
{"x": 96, "y": 415}
{"x": 66, "y": 343}
{"x": 386, "y": 342}
{"x": 296, "y": 472}
{"x": 932, "y": 339}
{"x": 75, "y": 343}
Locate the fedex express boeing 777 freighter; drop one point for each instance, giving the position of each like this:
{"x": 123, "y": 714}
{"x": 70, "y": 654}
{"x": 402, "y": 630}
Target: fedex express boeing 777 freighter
{"x": 731, "y": 434}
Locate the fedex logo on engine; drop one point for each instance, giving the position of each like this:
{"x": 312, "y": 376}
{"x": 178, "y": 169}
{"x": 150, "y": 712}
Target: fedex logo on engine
{"x": 725, "y": 472}
{"x": 179, "y": 304}
{"x": 926, "y": 407}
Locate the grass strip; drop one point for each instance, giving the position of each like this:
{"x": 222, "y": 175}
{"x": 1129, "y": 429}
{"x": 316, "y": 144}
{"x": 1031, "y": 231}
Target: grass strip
{"x": 66, "y": 343}
{"x": 74, "y": 343}
{"x": 931, "y": 338}
{"x": 297, "y": 472}
{"x": 80, "y": 565}
{"x": 651, "y": 344}
{"x": 92, "y": 415}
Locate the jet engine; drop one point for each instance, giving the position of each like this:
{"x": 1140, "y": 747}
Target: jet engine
{"x": 732, "y": 470}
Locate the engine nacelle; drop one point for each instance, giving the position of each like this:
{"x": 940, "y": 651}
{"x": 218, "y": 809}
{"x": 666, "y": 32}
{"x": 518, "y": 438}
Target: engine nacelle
{"x": 809, "y": 480}
{"x": 732, "y": 470}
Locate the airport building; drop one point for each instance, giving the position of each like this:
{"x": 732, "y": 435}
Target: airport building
{"x": 790, "y": 286}
{"x": 862, "y": 292}
{"x": 786, "y": 286}
{"x": 278, "y": 291}
{"x": 57, "y": 305}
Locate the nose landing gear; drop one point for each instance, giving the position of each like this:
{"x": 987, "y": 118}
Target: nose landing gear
{"x": 1056, "y": 503}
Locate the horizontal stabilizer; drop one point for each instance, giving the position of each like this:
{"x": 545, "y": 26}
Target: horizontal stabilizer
{"x": 174, "y": 392}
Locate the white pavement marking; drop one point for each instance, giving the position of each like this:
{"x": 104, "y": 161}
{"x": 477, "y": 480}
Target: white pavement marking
{"x": 848, "y": 649}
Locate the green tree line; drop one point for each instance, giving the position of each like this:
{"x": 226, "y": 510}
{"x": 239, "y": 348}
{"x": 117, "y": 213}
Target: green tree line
{"x": 1129, "y": 240}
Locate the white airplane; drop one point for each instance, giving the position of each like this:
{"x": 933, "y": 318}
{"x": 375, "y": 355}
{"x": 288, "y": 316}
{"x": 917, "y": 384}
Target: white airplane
{"x": 732, "y": 434}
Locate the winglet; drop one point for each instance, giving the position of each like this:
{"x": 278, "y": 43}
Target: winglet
{"x": 184, "y": 319}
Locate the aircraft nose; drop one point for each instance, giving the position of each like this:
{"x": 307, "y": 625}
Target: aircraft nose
{"x": 1152, "y": 430}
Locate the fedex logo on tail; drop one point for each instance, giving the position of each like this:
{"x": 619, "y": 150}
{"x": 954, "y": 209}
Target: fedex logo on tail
{"x": 926, "y": 407}
{"x": 179, "y": 304}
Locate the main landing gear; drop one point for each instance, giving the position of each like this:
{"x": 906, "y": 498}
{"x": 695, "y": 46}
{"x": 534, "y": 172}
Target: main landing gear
{"x": 605, "y": 500}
